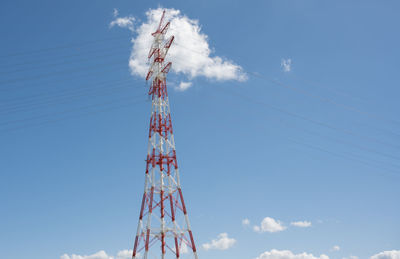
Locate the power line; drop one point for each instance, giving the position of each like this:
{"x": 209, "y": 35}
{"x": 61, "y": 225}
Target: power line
{"x": 70, "y": 117}
{"x": 58, "y": 92}
{"x": 346, "y": 157}
{"x": 59, "y": 57}
{"x": 368, "y": 162}
{"x": 201, "y": 53}
{"x": 337, "y": 140}
{"x": 66, "y": 46}
{"x": 324, "y": 99}
{"x": 65, "y": 62}
{"x": 27, "y": 125}
{"x": 271, "y": 80}
{"x": 92, "y": 72}
{"x": 58, "y": 73}
{"x": 66, "y": 99}
{"x": 292, "y": 114}
{"x": 320, "y": 85}
{"x": 308, "y": 93}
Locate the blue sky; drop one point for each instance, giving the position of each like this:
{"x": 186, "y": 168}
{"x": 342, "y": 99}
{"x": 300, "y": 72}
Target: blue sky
{"x": 317, "y": 143}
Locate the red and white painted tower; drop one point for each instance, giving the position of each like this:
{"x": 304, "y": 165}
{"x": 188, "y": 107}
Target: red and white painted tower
{"x": 163, "y": 230}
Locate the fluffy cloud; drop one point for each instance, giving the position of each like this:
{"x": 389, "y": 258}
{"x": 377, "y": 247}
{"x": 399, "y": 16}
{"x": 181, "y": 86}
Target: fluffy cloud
{"x": 286, "y": 65}
{"x": 301, "y": 224}
{"x": 351, "y": 257}
{"x": 190, "y": 53}
{"x": 124, "y": 254}
{"x": 286, "y": 254}
{"x": 123, "y": 22}
{"x": 394, "y": 254}
{"x": 269, "y": 225}
{"x": 245, "y": 222}
{"x": 223, "y": 242}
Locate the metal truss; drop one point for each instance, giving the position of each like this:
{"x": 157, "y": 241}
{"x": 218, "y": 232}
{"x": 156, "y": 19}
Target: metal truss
{"x": 163, "y": 216}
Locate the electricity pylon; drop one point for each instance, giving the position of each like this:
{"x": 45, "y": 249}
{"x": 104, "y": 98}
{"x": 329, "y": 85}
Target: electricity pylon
{"x": 163, "y": 216}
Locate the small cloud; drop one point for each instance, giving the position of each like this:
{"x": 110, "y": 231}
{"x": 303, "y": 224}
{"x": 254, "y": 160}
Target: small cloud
{"x": 286, "y": 254}
{"x": 183, "y": 86}
{"x": 301, "y": 224}
{"x": 351, "y": 257}
{"x": 286, "y": 64}
{"x": 245, "y": 222}
{"x": 335, "y": 248}
{"x": 223, "y": 242}
{"x": 115, "y": 12}
{"x": 394, "y": 254}
{"x": 269, "y": 225}
{"x": 124, "y": 22}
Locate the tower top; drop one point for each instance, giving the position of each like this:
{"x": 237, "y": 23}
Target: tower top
{"x": 158, "y": 52}
{"x": 161, "y": 29}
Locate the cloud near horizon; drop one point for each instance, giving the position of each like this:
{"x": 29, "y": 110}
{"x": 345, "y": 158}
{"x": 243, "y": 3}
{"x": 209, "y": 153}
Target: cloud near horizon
{"x": 393, "y": 254}
{"x": 124, "y": 254}
{"x": 223, "y": 242}
{"x": 286, "y": 254}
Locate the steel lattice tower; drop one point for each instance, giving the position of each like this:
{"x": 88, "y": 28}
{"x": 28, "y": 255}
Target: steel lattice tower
{"x": 163, "y": 216}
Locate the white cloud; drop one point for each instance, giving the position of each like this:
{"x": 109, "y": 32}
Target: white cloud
{"x": 99, "y": 255}
{"x": 184, "y": 86}
{"x": 394, "y": 254}
{"x": 286, "y": 254}
{"x": 123, "y": 22}
{"x": 245, "y": 222}
{"x": 269, "y": 225}
{"x": 115, "y": 12}
{"x": 124, "y": 254}
{"x": 223, "y": 242}
{"x": 286, "y": 64}
{"x": 301, "y": 224}
{"x": 351, "y": 257}
{"x": 190, "y": 53}
{"x": 335, "y": 248}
